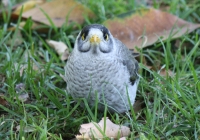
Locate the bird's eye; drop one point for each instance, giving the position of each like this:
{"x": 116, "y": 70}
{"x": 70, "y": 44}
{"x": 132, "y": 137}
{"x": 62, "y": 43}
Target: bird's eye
{"x": 106, "y": 37}
{"x": 83, "y": 37}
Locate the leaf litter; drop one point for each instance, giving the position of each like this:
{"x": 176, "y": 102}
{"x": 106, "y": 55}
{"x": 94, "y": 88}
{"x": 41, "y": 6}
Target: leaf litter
{"x": 71, "y": 10}
{"x": 146, "y": 26}
{"x": 140, "y": 29}
{"x": 105, "y": 128}
{"x": 60, "y": 47}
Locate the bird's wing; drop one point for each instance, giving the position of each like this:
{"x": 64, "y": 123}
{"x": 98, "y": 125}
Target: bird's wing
{"x": 128, "y": 60}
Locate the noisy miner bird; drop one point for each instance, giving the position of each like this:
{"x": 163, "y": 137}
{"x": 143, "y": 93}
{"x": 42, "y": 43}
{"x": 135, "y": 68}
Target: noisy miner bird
{"x": 102, "y": 68}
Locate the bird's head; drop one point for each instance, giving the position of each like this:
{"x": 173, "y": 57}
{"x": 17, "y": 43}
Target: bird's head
{"x": 94, "y": 39}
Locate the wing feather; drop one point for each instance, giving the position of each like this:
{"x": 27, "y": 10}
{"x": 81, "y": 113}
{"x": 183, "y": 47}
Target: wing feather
{"x": 128, "y": 60}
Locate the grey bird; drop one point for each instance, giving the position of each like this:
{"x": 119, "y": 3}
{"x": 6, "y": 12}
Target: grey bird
{"x": 102, "y": 68}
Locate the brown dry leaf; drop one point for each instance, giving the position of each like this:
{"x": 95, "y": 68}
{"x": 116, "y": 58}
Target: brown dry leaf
{"x": 60, "y": 47}
{"x": 58, "y": 11}
{"x": 2, "y": 100}
{"x": 165, "y": 73}
{"x": 28, "y": 5}
{"x": 138, "y": 105}
{"x": 144, "y": 27}
{"x": 2, "y": 80}
{"x": 91, "y": 130}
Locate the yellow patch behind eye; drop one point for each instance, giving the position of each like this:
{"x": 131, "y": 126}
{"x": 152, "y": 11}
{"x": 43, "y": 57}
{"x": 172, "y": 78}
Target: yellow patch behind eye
{"x": 83, "y": 37}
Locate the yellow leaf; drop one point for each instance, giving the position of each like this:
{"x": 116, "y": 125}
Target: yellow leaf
{"x": 28, "y": 5}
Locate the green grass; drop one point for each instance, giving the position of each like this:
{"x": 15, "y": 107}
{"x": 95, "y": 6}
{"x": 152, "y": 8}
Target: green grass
{"x": 171, "y": 104}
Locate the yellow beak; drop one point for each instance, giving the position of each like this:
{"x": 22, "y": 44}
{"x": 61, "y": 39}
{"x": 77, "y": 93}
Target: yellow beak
{"x": 95, "y": 39}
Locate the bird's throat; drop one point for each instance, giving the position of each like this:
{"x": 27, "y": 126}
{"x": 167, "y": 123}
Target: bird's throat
{"x": 94, "y": 49}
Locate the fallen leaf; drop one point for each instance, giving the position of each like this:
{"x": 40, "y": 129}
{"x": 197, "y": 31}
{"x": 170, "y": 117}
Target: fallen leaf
{"x": 59, "y": 11}
{"x": 60, "y": 47}
{"x": 123, "y": 138}
{"x": 165, "y": 73}
{"x": 28, "y": 5}
{"x": 2, "y": 80}
{"x": 146, "y": 26}
{"x": 25, "y": 129}
{"x": 19, "y": 88}
{"x": 92, "y": 130}
{"x": 25, "y": 66}
{"x": 21, "y": 71}
{"x": 2, "y": 100}
{"x": 138, "y": 105}
{"x": 23, "y": 97}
